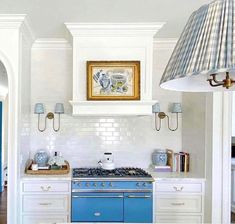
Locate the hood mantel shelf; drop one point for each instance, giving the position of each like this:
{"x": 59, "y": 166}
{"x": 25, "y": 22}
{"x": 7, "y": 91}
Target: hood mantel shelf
{"x": 112, "y": 42}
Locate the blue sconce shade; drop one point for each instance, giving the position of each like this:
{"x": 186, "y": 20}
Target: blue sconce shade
{"x": 39, "y": 108}
{"x": 59, "y": 108}
{"x": 176, "y": 108}
{"x": 156, "y": 108}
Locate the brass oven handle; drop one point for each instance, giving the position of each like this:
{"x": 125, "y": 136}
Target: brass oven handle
{"x": 45, "y": 189}
{"x": 134, "y": 196}
{"x": 178, "y": 204}
{"x": 178, "y": 188}
{"x": 104, "y": 196}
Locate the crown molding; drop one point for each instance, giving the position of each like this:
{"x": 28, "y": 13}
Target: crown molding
{"x": 51, "y": 43}
{"x": 113, "y": 29}
{"x": 17, "y": 21}
{"x": 164, "y": 43}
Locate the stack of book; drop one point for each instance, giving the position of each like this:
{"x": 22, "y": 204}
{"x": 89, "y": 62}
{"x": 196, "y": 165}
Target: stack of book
{"x": 181, "y": 162}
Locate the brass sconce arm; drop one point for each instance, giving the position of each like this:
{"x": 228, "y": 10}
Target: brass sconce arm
{"x": 161, "y": 116}
{"x": 56, "y": 130}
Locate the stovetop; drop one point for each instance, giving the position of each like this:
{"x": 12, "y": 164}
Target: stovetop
{"x": 123, "y": 172}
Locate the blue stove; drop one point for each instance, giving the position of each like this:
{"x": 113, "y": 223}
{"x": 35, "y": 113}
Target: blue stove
{"x": 120, "y": 195}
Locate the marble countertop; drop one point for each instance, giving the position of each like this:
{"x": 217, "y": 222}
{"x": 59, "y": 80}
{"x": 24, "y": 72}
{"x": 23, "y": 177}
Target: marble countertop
{"x": 156, "y": 175}
{"x": 46, "y": 177}
{"x": 173, "y": 176}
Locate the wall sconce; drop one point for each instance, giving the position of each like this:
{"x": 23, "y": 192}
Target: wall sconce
{"x": 39, "y": 109}
{"x": 176, "y": 109}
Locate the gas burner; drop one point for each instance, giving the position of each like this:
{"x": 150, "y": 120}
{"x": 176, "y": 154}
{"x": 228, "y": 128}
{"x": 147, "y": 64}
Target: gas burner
{"x": 118, "y": 172}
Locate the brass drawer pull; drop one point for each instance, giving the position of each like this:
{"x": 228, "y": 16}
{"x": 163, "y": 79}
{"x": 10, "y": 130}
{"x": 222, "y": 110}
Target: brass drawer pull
{"x": 44, "y": 203}
{"x": 178, "y": 204}
{"x": 178, "y": 188}
{"x": 45, "y": 188}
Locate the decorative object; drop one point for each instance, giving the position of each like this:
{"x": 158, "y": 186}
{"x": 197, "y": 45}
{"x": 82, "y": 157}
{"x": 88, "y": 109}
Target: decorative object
{"x": 39, "y": 109}
{"x": 56, "y": 161}
{"x": 175, "y": 108}
{"x": 34, "y": 166}
{"x": 204, "y": 57}
{"x": 63, "y": 170}
{"x": 113, "y": 80}
{"x": 41, "y": 158}
{"x": 159, "y": 157}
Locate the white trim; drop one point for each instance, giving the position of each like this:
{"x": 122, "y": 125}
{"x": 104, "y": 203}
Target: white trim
{"x": 51, "y": 43}
{"x": 13, "y": 138}
{"x": 218, "y": 148}
{"x": 114, "y": 29}
{"x": 164, "y": 43}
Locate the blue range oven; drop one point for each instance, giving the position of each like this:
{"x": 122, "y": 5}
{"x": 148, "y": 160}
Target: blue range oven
{"x": 112, "y": 200}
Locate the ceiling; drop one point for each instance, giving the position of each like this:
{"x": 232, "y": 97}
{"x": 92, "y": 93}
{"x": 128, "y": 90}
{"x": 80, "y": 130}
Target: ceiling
{"x": 47, "y": 17}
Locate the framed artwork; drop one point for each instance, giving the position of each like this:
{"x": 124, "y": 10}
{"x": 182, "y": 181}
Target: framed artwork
{"x": 113, "y": 80}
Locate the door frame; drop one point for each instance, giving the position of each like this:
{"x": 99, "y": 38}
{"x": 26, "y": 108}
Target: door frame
{"x": 13, "y": 161}
{"x": 220, "y": 140}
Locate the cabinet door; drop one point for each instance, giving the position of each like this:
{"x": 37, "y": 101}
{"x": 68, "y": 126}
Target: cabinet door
{"x": 42, "y": 218}
{"x": 44, "y": 203}
{"x": 163, "y": 218}
{"x": 179, "y": 203}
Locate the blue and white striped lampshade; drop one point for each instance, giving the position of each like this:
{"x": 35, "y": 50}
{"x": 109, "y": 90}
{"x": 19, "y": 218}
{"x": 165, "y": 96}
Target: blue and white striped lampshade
{"x": 59, "y": 108}
{"x": 206, "y": 46}
{"x": 156, "y": 108}
{"x": 176, "y": 108}
{"x": 39, "y": 108}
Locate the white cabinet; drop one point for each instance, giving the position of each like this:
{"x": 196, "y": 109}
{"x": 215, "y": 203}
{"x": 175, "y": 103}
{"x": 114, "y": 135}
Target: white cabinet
{"x": 45, "y": 201}
{"x": 179, "y": 201}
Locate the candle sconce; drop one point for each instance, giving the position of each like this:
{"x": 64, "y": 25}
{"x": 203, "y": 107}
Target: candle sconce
{"x": 39, "y": 110}
{"x": 159, "y": 116}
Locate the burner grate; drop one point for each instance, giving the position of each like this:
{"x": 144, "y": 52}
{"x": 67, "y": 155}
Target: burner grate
{"x": 118, "y": 172}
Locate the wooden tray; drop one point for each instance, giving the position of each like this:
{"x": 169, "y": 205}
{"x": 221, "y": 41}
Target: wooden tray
{"x": 64, "y": 170}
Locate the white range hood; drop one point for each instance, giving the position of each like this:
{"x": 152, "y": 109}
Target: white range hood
{"x": 112, "y": 42}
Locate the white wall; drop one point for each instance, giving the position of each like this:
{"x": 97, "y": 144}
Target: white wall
{"x": 82, "y": 140}
{"x": 193, "y": 130}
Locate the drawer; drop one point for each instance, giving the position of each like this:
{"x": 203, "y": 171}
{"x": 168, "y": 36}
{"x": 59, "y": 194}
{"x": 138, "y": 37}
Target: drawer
{"x": 42, "y": 218}
{"x": 182, "y": 203}
{"x": 179, "y": 187}
{"x": 178, "y": 218}
{"x": 45, "y": 203}
{"x": 45, "y": 187}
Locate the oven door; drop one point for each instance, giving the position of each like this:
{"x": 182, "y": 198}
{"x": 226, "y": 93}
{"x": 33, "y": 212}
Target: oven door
{"x": 138, "y": 207}
{"x": 97, "y": 207}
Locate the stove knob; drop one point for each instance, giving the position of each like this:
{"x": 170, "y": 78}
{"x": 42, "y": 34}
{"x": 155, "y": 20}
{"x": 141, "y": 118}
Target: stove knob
{"x": 110, "y": 184}
{"x": 87, "y": 184}
{"x": 103, "y": 184}
{"x": 138, "y": 184}
{"x": 95, "y": 184}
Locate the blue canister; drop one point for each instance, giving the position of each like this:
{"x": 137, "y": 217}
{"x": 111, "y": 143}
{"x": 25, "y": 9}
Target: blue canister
{"x": 159, "y": 157}
{"x": 41, "y": 158}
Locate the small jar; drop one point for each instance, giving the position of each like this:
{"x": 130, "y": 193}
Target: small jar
{"x": 159, "y": 157}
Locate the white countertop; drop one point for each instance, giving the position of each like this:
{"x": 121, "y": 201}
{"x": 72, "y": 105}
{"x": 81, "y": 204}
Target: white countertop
{"x": 173, "y": 176}
{"x": 156, "y": 175}
{"x": 46, "y": 177}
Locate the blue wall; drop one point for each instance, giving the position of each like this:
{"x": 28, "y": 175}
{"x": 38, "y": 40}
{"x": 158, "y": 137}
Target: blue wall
{"x": 1, "y": 147}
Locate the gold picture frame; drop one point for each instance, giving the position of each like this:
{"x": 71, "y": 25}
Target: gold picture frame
{"x": 113, "y": 80}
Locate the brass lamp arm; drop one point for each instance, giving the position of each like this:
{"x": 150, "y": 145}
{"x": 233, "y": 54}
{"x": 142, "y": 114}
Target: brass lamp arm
{"x": 177, "y": 122}
{"x": 156, "y": 123}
